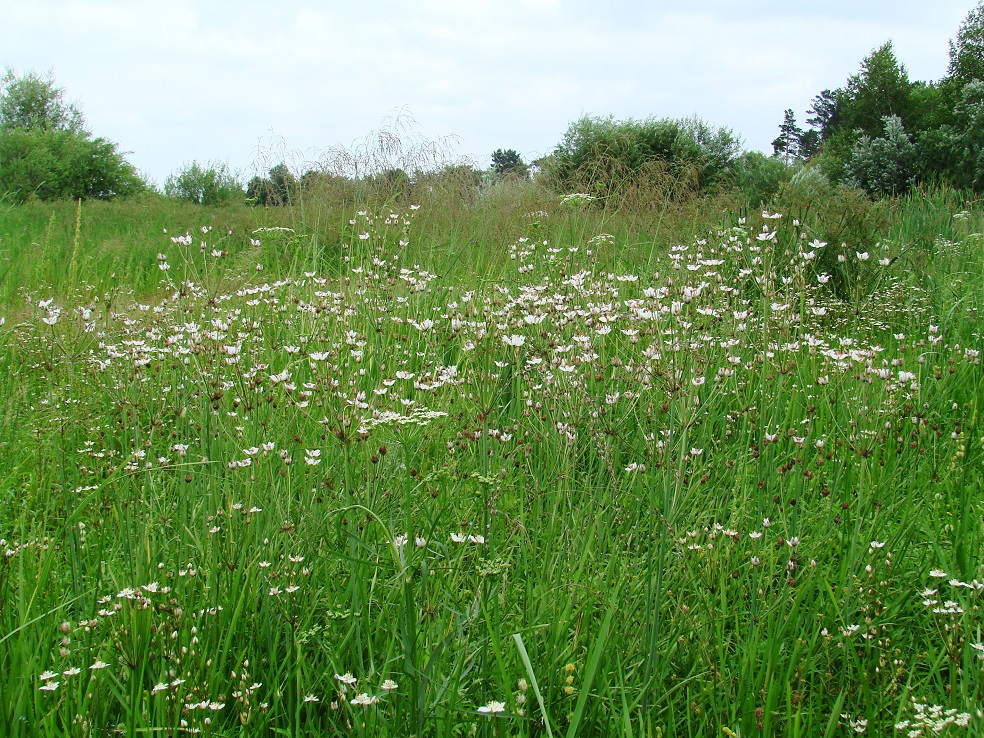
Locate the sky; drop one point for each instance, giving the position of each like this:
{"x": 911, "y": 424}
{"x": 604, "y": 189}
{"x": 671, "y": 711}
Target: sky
{"x": 252, "y": 83}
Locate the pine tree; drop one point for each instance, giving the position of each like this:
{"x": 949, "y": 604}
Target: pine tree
{"x": 787, "y": 145}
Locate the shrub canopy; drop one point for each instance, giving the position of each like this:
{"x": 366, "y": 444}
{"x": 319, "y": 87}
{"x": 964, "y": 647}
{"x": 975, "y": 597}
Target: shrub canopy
{"x": 45, "y": 150}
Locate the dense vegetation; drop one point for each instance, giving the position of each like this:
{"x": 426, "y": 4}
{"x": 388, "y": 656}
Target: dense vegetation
{"x": 47, "y": 153}
{"x": 513, "y": 465}
{"x": 591, "y": 446}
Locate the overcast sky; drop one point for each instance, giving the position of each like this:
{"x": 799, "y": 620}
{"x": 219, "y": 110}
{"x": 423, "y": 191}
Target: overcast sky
{"x": 177, "y": 81}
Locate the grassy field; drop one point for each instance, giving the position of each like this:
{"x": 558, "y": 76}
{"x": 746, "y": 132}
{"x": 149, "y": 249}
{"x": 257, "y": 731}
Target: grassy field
{"x": 508, "y": 466}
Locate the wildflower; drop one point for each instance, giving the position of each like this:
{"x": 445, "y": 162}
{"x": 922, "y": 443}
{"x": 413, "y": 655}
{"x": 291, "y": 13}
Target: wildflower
{"x": 364, "y": 699}
{"x": 389, "y": 685}
{"x": 49, "y": 686}
{"x": 492, "y": 707}
{"x": 346, "y": 678}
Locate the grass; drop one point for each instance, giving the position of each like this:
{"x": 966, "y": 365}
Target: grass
{"x": 496, "y": 467}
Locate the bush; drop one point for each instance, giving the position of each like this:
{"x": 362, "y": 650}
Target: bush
{"x": 46, "y": 151}
{"x": 280, "y": 187}
{"x": 52, "y": 165}
{"x": 968, "y": 141}
{"x": 758, "y": 177}
{"x": 212, "y": 185}
{"x": 885, "y": 165}
{"x": 604, "y": 156}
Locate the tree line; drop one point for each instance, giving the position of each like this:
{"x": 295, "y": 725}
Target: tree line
{"x": 881, "y": 132}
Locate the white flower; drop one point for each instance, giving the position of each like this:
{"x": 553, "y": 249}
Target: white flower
{"x": 389, "y": 685}
{"x": 346, "y": 678}
{"x": 492, "y": 707}
{"x": 514, "y": 340}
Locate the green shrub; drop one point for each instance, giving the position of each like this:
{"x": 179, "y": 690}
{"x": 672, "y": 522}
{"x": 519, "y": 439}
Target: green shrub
{"x": 53, "y": 164}
{"x": 885, "y": 165}
{"x": 46, "y": 151}
{"x": 212, "y": 185}
{"x": 759, "y": 177}
{"x": 606, "y": 156}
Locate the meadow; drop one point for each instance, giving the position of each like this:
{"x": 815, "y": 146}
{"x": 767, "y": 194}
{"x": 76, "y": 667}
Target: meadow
{"x": 504, "y": 465}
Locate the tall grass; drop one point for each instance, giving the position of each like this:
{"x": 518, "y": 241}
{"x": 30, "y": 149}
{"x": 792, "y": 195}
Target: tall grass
{"x": 491, "y": 466}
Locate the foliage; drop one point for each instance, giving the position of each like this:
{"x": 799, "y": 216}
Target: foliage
{"x": 825, "y": 114}
{"x": 59, "y": 164}
{"x": 212, "y": 184}
{"x": 967, "y": 49}
{"x": 881, "y": 88}
{"x": 967, "y": 139}
{"x": 786, "y": 145}
{"x": 509, "y": 162}
{"x": 279, "y": 187}
{"x": 613, "y": 485}
{"x": 45, "y": 150}
{"x": 758, "y": 177}
{"x": 939, "y": 118}
{"x": 885, "y": 165}
{"x": 33, "y": 102}
{"x": 604, "y": 155}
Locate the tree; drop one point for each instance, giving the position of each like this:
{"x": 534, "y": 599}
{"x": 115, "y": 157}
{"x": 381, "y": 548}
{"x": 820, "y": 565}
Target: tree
{"x": 46, "y": 151}
{"x": 881, "y": 88}
{"x": 884, "y": 165}
{"x": 967, "y": 140}
{"x": 786, "y": 146}
{"x": 280, "y": 187}
{"x": 212, "y": 185}
{"x": 809, "y": 144}
{"x": 508, "y": 161}
{"x": 826, "y": 113}
{"x": 36, "y": 103}
{"x": 967, "y": 49}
